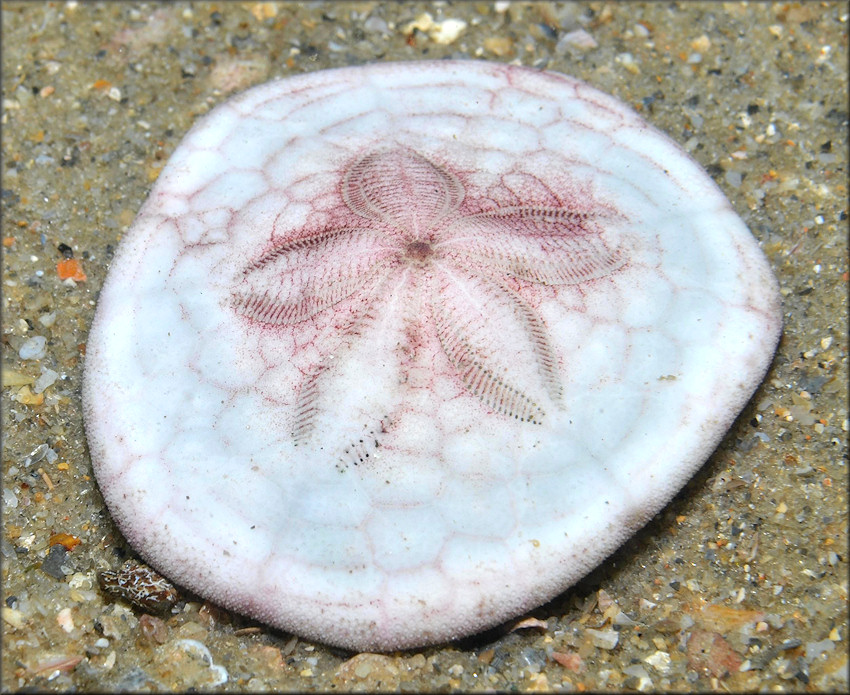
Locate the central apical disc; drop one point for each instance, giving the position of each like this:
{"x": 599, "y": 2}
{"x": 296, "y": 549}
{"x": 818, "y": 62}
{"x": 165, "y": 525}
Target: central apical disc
{"x": 395, "y": 353}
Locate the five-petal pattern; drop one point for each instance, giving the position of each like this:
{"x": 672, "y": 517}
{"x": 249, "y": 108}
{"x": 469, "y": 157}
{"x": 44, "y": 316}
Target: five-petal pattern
{"x": 405, "y": 225}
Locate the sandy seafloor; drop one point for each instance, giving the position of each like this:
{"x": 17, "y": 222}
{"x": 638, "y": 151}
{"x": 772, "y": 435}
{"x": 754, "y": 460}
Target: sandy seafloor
{"x": 739, "y": 584}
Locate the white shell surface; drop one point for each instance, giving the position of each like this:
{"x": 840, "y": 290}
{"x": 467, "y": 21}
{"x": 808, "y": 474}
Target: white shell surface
{"x": 394, "y": 353}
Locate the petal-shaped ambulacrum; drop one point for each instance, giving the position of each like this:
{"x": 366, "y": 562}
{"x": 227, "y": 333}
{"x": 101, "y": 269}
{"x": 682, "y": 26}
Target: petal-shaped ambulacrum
{"x": 486, "y": 342}
{"x": 551, "y": 246}
{"x": 403, "y": 189}
{"x": 298, "y": 279}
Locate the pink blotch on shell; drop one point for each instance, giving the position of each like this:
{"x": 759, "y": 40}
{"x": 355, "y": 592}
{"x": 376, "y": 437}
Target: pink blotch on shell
{"x": 395, "y": 353}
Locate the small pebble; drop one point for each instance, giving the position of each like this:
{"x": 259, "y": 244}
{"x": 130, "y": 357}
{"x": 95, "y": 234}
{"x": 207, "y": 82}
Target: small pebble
{"x": 13, "y": 617}
{"x": 34, "y": 348}
{"x": 701, "y": 44}
{"x": 710, "y": 654}
{"x": 153, "y": 630}
{"x": 734, "y": 178}
{"x": 499, "y": 45}
{"x": 571, "y": 661}
{"x": 219, "y": 673}
{"x": 815, "y": 649}
{"x": 10, "y": 499}
{"x": 47, "y": 320}
{"x": 527, "y": 623}
{"x": 48, "y": 378}
{"x": 65, "y": 620}
{"x": 110, "y": 660}
{"x": 644, "y": 681}
{"x": 375, "y": 25}
{"x": 578, "y": 39}
{"x": 604, "y": 600}
{"x": 603, "y": 639}
{"x": 52, "y": 564}
{"x": 660, "y": 661}
{"x": 444, "y": 32}
{"x": 368, "y": 671}
{"x": 447, "y": 31}
{"x": 621, "y": 618}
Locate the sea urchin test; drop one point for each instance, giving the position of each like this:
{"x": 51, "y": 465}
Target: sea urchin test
{"x": 395, "y": 353}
